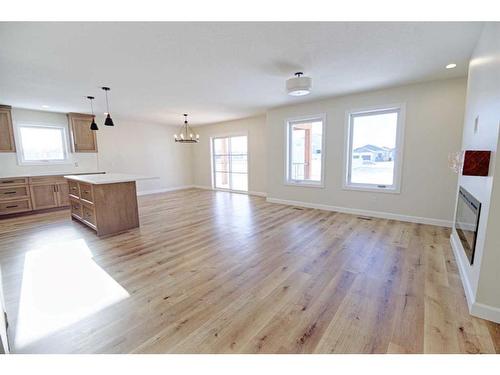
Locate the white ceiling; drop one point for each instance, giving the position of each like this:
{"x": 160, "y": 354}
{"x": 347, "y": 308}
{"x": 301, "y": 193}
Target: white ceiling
{"x": 217, "y": 71}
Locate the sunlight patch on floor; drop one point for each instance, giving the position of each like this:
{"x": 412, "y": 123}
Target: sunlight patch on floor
{"x": 61, "y": 285}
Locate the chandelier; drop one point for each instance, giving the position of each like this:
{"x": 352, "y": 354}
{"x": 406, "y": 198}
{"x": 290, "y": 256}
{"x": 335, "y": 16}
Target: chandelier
{"x": 186, "y": 133}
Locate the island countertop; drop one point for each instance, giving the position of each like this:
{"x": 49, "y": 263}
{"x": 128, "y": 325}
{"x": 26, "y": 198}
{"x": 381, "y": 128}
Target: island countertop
{"x": 108, "y": 178}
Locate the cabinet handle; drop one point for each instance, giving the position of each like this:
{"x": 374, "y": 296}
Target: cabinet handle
{"x": 8, "y": 182}
{"x": 14, "y": 206}
{"x": 9, "y": 192}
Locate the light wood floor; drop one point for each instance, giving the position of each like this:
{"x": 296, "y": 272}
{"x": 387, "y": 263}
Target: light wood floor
{"x": 215, "y": 272}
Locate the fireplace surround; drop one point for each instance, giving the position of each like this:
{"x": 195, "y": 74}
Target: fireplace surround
{"x": 466, "y": 221}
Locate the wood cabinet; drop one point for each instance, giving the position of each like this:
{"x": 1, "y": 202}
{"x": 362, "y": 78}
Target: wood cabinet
{"x": 49, "y": 192}
{"x": 14, "y": 195}
{"x": 62, "y": 194}
{"x": 43, "y": 196}
{"x": 14, "y": 192}
{"x": 24, "y": 194}
{"x": 106, "y": 208}
{"x": 82, "y": 138}
{"x": 7, "y": 143}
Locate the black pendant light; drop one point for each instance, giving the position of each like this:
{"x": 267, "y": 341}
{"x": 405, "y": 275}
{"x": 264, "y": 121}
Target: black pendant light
{"x": 109, "y": 120}
{"x": 186, "y": 133}
{"x": 93, "y": 125}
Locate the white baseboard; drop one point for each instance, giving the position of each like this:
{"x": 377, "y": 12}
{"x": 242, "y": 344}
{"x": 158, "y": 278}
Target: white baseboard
{"x": 477, "y": 309}
{"x": 355, "y": 211}
{"x": 457, "y": 250}
{"x": 202, "y": 187}
{"x": 257, "y": 193}
{"x": 485, "y": 312}
{"x": 163, "y": 190}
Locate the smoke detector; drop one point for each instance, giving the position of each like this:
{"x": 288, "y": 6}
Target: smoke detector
{"x": 299, "y": 85}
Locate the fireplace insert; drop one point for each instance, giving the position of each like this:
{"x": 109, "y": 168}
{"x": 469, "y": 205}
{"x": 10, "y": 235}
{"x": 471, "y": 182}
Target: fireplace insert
{"x": 467, "y": 221}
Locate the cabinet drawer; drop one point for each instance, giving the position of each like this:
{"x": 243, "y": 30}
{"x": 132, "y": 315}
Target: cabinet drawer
{"x": 13, "y": 181}
{"x": 11, "y": 207}
{"x": 73, "y": 188}
{"x": 13, "y": 192}
{"x": 76, "y": 208}
{"x": 88, "y": 214}
{"x": 86, "y": 192}
{"x": 44, "y": 180}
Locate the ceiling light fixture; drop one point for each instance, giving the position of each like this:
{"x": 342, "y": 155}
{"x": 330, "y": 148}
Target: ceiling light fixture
{"x": 186, "y": 133}
{"x": 451, "y": 66}
{"x": 93, "y": 125}
{"x": 299, "y": 86}
{"x": 109, "y": 120}
{"x": 45, "y": 106}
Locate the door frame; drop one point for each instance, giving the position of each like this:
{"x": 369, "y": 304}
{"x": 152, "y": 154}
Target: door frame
{"x": 212, "y": 161}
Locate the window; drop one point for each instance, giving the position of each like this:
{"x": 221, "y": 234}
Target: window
{"x": 42, "y": 144}
{"x": 230, "y": 163}
{"x": 305, "y": 151}
{"x": 374, "y": 142}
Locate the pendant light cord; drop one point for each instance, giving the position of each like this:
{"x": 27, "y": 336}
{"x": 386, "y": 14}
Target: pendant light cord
{"x": 107, "y": 103}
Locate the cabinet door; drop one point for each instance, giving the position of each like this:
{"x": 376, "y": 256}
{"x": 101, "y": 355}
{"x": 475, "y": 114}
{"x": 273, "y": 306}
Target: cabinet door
{"x": 6, "y": 133}
{"x": 83, "y": 139}
{"x": 63, "y": 194}
{"x": 43, "y": 196}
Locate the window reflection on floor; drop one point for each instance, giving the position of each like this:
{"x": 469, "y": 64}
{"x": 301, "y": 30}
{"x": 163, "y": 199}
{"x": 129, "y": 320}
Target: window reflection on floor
{"x": 61, "y": 285}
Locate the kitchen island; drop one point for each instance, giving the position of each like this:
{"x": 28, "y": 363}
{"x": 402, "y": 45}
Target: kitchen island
{"x": 107, "y": 203}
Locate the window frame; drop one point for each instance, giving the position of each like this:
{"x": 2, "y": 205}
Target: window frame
{"x": 395, "y": 188}
{"x": 212, "y": 160}
{"x": 288, "y": 150}
{"x": 20, "y": 149}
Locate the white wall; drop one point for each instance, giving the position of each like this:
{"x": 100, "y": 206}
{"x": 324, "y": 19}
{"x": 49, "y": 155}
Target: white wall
{"x": 128, "y": 147}
{"x": 255, "y": 129}
{"x": 434, "y": 117}
{"x": 148, "y": 149}
{"x": 87, "y": 162}
{"x": 482, "y": 279}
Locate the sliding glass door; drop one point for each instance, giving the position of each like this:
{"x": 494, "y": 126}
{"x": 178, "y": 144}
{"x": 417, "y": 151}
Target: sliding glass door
{"x": 230, "y": 163}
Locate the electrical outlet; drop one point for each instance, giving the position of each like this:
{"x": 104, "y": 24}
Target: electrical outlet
{"x": 76, "y": 164}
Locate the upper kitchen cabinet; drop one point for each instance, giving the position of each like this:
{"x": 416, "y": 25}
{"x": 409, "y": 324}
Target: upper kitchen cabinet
{"x": 6, "y": 132}
{"x": 82, "y": 138}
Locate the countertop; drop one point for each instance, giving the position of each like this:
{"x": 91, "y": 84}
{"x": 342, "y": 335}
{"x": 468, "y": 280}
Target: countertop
{"x": 50, "y": 174}
{"x": 108, "y": 178}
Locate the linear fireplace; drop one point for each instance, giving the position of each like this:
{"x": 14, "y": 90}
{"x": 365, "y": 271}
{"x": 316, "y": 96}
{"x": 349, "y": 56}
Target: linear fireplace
{"x": 466, "y": 221}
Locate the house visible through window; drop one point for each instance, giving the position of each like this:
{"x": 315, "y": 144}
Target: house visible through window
{"x": 42, "y": 144}
{"x": 305, "y": 151}
{"x": 374, "y": 149}
{"x": 230, "y": 163}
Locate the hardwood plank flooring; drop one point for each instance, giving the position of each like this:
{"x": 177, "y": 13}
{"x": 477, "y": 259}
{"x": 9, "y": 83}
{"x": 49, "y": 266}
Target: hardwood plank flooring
{"x": 216, "y": 272}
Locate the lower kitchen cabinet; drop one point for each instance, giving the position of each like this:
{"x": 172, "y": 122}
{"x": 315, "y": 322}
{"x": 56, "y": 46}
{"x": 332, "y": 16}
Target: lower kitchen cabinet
{"x": 23, "y": 194}
{"x": 43, "y": 196}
